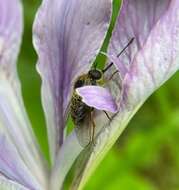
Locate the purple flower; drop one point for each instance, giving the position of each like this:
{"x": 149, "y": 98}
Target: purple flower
{"x": 146, "y": 64}
{"x": 67, "y": 36}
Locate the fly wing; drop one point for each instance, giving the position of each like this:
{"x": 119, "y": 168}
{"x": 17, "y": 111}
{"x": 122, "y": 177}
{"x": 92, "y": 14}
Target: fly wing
{"x": 84, "y": 131}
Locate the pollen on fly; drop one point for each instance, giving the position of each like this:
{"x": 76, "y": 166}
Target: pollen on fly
{"x": 82, "y": 114}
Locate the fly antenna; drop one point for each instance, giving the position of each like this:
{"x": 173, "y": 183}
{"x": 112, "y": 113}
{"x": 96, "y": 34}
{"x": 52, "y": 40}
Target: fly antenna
{"x": 118, "y": 55}
{"x": 129, "y": 43}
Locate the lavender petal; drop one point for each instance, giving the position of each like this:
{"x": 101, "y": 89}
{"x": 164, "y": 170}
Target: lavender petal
{"x": 6, "y": 184}
{"x": 67, "y": 36}
{"x": 13, "y": 167}
{"x": 10, "y": 33}
{"x": 157, "y": 61}
{"x": 136, "y": 20}
{"x": 98, "y": 97}
{"x": 151, "y": 60}
{"x": 68, "y": 153}
{"x": 14, "y": 122}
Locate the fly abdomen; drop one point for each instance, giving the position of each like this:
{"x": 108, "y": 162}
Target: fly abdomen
{"x": 79, "y": 109}
{"x": 80, "y": 112}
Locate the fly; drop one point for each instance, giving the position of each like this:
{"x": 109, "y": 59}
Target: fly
{"x": 82, "y": 114}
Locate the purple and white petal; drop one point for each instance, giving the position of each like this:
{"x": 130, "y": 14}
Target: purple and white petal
{"x": 157, "y": 61}
{"x": 151, "y": 60}
{"x": 151, "y": 54}
{"x": 10, "y": 34}
{"x": 7, "y": 184}
{"x": 14, "y": 122}
{"x": 67, "y": 36}
{"x": 98, "y": 97}
{"x": 13, "y": 167}
{"x": 136, "y": 20}
{"x": 67, "y": 155}
{"x": 15, "y": 125}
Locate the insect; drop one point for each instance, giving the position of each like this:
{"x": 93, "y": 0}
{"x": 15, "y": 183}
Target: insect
{"x": 82, "y": 114}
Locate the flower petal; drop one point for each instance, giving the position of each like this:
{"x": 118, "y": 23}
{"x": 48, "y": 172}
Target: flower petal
{"x": 98, "y": 97}
{"x": 137, "y": 18}
{"x": 6, "y": 184}
{"x": 157, "y": 61}
{"x": 154, "y": 59}
{"x": 14, "y": 122}
{"x": 105, "y": 140}
{"x": 68, "y": 153}
{"x": 67, "y": 36}
{"x": 10, "y": 32}
{"x": 12, "y": 165}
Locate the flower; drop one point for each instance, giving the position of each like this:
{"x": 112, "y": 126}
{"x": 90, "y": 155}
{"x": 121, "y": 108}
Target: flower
{"x": 21, "y": 163}
{"x": 67, "y": 36}
{"x": 145, "y": 65}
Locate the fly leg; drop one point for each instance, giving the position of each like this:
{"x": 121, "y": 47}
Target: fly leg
{"x": 111, "y": 77}
{"x": 107, "y": 115}
{"x": 92, "y": 131}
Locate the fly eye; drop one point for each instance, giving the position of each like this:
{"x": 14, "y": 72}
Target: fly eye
{"x": 95, "y": 74}
{"x": 78, "y": 83}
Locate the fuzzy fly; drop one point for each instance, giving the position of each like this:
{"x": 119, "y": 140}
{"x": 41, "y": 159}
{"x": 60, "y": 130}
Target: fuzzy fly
{"x": 82, "y": 114}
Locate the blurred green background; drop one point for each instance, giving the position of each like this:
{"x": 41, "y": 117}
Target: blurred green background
{"x": 146, "y": 156}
